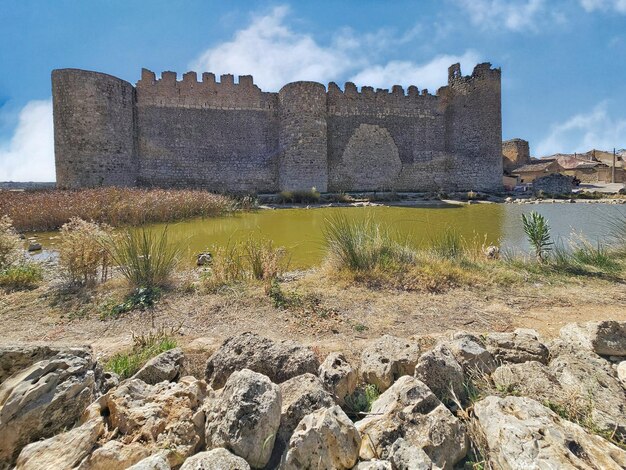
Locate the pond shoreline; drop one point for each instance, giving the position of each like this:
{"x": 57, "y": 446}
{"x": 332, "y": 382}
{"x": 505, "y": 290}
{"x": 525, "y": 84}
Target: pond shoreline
{"x": 436, "y": 203}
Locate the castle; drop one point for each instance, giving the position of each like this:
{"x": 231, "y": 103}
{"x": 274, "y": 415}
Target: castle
{"x": 233, "y": 137}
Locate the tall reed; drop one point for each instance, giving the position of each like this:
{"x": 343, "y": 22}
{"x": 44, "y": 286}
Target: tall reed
{"x": 49, "y": 210}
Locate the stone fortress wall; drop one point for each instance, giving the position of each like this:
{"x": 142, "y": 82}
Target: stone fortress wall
{"x": 233, "y": 137}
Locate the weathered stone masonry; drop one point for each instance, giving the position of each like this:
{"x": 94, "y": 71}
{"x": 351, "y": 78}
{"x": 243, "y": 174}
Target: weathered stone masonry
{"x": 227, "y": 136}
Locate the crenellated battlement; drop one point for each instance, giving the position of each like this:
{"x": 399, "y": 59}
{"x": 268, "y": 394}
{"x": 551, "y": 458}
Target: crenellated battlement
{"x": 208, "y": 93}
{"x": 481, "y": 73}
{"x": 380, "y": 101}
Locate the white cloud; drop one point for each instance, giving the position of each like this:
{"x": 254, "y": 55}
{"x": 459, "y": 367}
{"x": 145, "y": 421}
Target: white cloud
{"x": 29, "y": 155}
{"x": 275, "y": 54}
{"x": 514, "y": 15}
{"x": 585, "y": 131}
{"x": 431, "y": 75}
{"x": 604, "y": 5}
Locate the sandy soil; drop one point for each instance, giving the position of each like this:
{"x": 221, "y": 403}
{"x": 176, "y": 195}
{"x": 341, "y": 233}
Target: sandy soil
{"x": 334, "y": 316}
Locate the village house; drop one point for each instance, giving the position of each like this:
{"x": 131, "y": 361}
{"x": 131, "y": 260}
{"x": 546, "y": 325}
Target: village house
{"x": 528, "y": 173}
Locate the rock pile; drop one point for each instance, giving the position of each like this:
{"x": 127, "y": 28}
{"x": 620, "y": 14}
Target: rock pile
{"x": 508, "y": 399}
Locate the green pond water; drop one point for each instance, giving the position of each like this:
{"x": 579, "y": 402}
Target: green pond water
{"x": 300, "y": 231}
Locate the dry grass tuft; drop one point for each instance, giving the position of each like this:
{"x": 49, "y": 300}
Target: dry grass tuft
{"x": 83, "y": 258}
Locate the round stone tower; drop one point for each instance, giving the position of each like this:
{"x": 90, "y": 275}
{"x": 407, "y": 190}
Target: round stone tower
{"x": 302, "y": 137}
{"x": 94, "y": 129}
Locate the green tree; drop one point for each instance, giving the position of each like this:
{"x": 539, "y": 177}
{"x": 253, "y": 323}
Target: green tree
{"x": 538, "y": 233}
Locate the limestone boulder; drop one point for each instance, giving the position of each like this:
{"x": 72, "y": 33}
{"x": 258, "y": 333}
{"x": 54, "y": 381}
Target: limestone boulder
{"x": 301, "y": 396}
{"x": 245, "y": 417}
{"x": 404, "y": 456}
{"x": 165, "y": 418}
{"x": 65, "y": 450}
{"x": 517, "y": 347}
{"x": 44, "y": 399}
{"x": 606, "y": 338}
{"x": 279, "y": 361}
{"x": 530, "y": 379}
{"x": 592, "y": 386}
{"x": 216, "y": 459}
{"x": 326, "y": 438}
{"x": 410, "y": 410}
{"x": 338, "y": 376}
{"x": 470, "y": 353}
{"x": 441, "y": 372}
{"x": 154, "y": 462}
{"x": 387, "y": 359}
{"x": 523, "y": 434}
{"x": 167, "y": 366}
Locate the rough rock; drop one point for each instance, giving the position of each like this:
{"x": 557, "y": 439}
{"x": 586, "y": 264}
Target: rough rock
{"x": 621, "y": 372}
{"x": 338, "y": 376}
{"x": 65, "y": 450}
{"x": 469, "y": 351}
{"x": 245, "y": 417}
{"x": 374, "y": 465}
{"x": 591, "y": 384}
{"x": 523, "y": 434}
{"x": 167, "y": 416}
{"x": 404, "y": 456}
{"x": 442, "y": 373}
{"x": 279, "y": 361}
{"x": 530, "y": 379}
{"x": 44, "y": 399}
{"x": 410, "y": 410}
{"x": 606, "y": 338}
{"x": 154, "y": 462}
{"x": 301, "y": 396}
{"x": 325, "y": 438}
{"x": 517, "y": 347}
{"x": 166, "y": 366}
{"x": 387, "y": 359}
{"x": 16, "y": 358}
{"x": 216, "y": 459}
{"x": 114, "y": 455}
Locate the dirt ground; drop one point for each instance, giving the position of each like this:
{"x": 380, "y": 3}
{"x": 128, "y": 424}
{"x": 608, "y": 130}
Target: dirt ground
{"x": 334, "y": 316}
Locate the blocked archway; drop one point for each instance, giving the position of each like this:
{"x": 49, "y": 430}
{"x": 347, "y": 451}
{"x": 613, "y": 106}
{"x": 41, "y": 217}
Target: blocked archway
{"x": 371, "y": 160}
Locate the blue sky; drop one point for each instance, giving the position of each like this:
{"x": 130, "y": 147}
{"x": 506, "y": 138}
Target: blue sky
{"x": 563, "y": 61}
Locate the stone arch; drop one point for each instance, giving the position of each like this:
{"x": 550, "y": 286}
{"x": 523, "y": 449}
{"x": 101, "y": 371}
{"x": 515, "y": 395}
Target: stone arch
{"x": 371, "y": 160}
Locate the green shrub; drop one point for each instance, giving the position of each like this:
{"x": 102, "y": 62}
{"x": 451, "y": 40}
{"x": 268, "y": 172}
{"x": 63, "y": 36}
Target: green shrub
{"x": 281, "y": 299}
{"x": 597, "y": 255}
{"x": 141, "y": 298}
{"x": 362, "y": 245}
{"x": 82, "y": 256}
{"x": 360, "y": 401}
{"x": 126, "y": 364}
{"x": 21, "y": 276}
{"x": 538, "y": 233}
{"x": 448, "y": 245}
{"x": 145, "y": 257}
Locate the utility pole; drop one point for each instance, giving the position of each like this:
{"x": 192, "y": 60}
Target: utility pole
{"x": 613, "y": 169}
